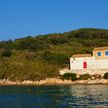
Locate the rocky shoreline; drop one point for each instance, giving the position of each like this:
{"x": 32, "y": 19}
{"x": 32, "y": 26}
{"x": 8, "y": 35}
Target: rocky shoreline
{"x": 51, "y": 81}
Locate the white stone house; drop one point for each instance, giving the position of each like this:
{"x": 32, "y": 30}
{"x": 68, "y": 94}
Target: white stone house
{"x": 97, "y": 63}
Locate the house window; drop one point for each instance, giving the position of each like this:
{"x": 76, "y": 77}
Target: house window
{"x": 106, "y": 53}
{"x": 99, "y": 53}
{"x": 84, "y": 65}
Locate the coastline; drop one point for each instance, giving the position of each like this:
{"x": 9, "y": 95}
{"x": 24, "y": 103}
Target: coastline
{"x": 52, "y": 81}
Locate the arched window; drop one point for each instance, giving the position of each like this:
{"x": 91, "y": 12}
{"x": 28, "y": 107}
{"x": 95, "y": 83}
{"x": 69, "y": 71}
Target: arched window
{"x": 84, "y": 65}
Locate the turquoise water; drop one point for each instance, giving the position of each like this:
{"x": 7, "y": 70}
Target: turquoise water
{"x": 72, "y": 96}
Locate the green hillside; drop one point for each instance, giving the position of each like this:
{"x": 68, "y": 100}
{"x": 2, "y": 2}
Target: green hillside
{"x": 35, "y": 58}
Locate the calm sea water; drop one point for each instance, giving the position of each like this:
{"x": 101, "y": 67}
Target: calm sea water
{"x": 74, "y": 96}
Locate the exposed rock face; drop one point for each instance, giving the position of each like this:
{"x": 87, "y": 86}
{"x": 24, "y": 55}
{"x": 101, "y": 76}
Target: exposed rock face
{"x": 53, "y": 81}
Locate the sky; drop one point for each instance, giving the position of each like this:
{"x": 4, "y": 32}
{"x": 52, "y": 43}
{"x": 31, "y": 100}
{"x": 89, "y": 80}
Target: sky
{"x": 21, "y": 18}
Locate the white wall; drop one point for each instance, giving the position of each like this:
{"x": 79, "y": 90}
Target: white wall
{"x": 94, "y": 66}
{"x": 77, "y": 63}
{"x": 92, "y": 63}
{"x": 101, "y": 63}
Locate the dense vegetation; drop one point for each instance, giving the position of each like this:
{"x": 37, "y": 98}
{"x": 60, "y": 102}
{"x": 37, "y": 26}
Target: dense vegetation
{"x": 106, "y": 75}
{"x": 84, "y": 77}
{"x": 69, "y": 76}
{"x": 35, "y": 58}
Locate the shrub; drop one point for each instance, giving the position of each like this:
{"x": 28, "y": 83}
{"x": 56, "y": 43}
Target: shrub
{"x": 48, "y": 55}
{"x": 59, "y": 59}
{"x": 30, "y": 55}
{"x": 84, "y": 77}
{"x": 59, "y": 40}
{"x": 70, "y": 76}
{"x": 6, "y": 53}
{"x": 106, "y": 75}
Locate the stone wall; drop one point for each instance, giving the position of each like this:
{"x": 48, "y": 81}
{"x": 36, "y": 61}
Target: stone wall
{"x": 86, "y": 71}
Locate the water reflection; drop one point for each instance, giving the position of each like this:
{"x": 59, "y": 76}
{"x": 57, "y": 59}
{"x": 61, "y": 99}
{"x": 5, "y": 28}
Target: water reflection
{"x": 74, "y": 96}
{"x": 90, "y": 95}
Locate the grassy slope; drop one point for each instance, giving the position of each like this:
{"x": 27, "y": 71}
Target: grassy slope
{"x": 35, "y": 58}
